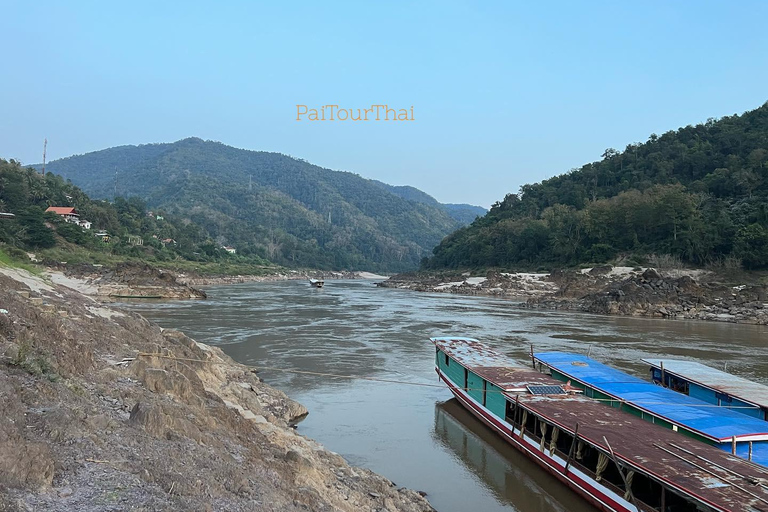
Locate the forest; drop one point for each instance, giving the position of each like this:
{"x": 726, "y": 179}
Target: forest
{"x": 133, "y": 230}
{"x": 276, "y": 207}
{"x": 698, "y": 194}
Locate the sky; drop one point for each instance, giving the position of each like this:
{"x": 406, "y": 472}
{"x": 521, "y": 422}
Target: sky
{"x": 503, "y": 93}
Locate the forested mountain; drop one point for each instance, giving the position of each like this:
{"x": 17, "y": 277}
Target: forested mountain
{"x": 700, "y": 193}
{"x": 462, "y": 213}
{"x": 132, "y": 230}
{"x": 281, "y": 208}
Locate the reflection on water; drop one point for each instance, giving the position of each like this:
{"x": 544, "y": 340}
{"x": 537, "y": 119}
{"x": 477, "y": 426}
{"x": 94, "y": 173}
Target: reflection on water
{"x": 509, "y": 475}
{"x": 355, "y": 329}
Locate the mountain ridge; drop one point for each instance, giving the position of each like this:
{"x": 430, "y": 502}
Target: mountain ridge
{"x": 283, "y": 208}
{"x": 697, "y": 194}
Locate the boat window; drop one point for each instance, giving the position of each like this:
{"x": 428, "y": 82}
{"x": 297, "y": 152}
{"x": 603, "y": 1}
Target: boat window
{"x": 485, "y": 390}
{"x": 673, "y": 502}
{"x": 447, "y": 360}
{"x": 510, "y": 413}
{"x": 466, "y": 378}
{"x": 646, "y": 490}
{"x": 532, "y": 425}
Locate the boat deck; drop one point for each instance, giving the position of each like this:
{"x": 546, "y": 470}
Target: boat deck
{"x": 712, "y": 475}
{"x": 706, "y": 376}
{"x": 714, "y": 422}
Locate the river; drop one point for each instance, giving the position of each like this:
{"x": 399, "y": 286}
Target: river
{"x": 417, "y": 436}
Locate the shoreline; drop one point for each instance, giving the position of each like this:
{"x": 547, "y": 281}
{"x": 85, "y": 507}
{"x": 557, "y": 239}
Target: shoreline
{"x": 624, "y": 291}
{"x": 108, "y": 410}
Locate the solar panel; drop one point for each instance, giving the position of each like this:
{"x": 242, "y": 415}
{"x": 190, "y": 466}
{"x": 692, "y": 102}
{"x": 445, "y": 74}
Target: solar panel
{"x": 546, "y": 390}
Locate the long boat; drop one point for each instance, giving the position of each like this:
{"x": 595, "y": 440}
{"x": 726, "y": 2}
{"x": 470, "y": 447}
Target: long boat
{"x": 611, "y": 458}
{"x": 724, "y": 428}
{"x": 711, "y": 385}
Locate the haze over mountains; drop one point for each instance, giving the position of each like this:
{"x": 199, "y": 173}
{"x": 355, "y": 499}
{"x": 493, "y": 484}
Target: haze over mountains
{"x": 284, "y": 208}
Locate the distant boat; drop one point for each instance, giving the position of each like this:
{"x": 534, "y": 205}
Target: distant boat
{"x": 317, "y": 283}
{"x": 612, "y": 458}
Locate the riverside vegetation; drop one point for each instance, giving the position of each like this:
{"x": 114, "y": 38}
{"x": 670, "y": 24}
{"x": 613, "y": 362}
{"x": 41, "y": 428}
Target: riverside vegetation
{"x": 282, "y": 209}
{"x": 699, "y": 193}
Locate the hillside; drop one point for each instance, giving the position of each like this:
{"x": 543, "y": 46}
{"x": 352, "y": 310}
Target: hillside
{"x": 698, "y": 194}
{"x": 462, "y": 213}
{"x": 129, "y": 230}
{"x": 280, "y": 208}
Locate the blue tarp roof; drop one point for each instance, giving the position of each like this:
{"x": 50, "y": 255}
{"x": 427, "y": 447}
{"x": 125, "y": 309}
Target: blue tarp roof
{"x": 716, "y": 422}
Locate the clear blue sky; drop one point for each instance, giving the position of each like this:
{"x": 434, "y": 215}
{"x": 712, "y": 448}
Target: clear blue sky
{"x": 504, "y": 93}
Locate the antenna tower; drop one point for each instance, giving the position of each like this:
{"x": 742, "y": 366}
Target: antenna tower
{"x": 45, "y": 147}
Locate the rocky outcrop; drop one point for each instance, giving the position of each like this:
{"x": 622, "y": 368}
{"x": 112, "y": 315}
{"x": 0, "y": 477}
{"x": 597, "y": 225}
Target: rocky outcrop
{"x": 492, "y": 283}
{"x": 102, "y": 410}
{"x": 131, "y": 280}
{"x": 650, "y": 293}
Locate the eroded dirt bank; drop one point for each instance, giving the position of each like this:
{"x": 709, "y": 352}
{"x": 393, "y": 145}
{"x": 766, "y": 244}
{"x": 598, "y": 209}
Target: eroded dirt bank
{"x": 89, "y": 423}
{"x": 142, "y": 280}
{"x": 690, "y": 294}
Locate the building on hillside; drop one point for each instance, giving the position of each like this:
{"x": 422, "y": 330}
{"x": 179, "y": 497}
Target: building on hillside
{"x": 7, "y": 216}
{"x": 230, "y": 250}
{"x": 103, "y": 235}
{"x": 68, "y": 212}
{"x": 166, "y": 241}
{"x": 70, "y": 215}
{"x": 135, "y": 240}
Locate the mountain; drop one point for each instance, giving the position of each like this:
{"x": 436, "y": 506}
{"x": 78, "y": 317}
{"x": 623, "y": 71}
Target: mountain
{"x": 698, "y": 194}
{"x": 278, "y": 207}
{"x": 462, "y": 213}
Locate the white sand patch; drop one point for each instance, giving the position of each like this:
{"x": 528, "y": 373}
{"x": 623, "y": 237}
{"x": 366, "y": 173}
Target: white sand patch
{"x": 443, "y": 286}
{"x": 105, "y": 312}
{"x": 525, "y": 276}
{"x": 475, "y": 280}
{"x": 370, "y": 275}
{"x": 80, "y": 285}
{"x": 35, "y": 283}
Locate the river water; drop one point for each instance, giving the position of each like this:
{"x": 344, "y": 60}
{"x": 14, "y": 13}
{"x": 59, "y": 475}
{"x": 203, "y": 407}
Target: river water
{"x": 417, "y": 436}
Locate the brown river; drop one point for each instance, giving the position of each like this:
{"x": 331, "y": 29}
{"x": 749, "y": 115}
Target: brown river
{"x": 417, "y": 436}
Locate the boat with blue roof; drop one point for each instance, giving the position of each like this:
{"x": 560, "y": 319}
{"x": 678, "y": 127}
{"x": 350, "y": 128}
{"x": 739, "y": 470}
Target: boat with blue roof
{"x": 610, "y": 457}
{"x": 711, "y": 385}
{"x": 724, "y": 428}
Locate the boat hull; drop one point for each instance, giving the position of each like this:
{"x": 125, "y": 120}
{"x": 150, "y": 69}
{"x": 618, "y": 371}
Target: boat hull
{"x": 598, "y": 495}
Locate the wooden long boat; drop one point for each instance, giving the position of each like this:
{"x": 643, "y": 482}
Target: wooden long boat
{"x": 611, "y": 458}
{"x": 316, "y": 283}
{"x": 711, "y": 385}
{"x": 728, "y": 430}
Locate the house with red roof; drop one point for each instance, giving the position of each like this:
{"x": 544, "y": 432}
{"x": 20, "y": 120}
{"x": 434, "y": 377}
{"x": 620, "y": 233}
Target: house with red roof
{"x": 70, "y": 215}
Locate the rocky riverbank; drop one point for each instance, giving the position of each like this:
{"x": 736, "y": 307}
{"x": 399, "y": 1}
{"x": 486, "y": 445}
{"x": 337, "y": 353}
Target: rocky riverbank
{"x": 102, "y": 410}
{"x": 689, "y": 294}
{"x": 124, "y": 280}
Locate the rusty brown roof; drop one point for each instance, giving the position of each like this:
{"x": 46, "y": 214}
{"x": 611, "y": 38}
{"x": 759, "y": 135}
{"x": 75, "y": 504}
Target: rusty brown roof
{"x": 692, "y": 467}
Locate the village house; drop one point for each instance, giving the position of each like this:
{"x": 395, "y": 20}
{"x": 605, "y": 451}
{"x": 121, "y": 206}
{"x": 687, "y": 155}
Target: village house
{"x": 230, "y": 250}
{"x": 70, "y": 215}
{"x": 68, "y": 212}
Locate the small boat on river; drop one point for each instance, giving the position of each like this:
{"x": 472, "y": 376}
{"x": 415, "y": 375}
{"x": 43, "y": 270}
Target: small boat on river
{"x": 724, "y": 428}
{"x": 316, "y": 283}
{"x": 613, "y": 459}
{"x": 711, "y": 385}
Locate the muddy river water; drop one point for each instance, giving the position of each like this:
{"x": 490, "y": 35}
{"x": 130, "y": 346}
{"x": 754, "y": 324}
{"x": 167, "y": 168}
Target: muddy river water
{"x": 417, "y": 436}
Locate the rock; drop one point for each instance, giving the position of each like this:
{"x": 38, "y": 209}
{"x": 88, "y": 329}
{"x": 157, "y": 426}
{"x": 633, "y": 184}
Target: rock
{"x": 600, "y": 270}
{"x": 651, "y": 274}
